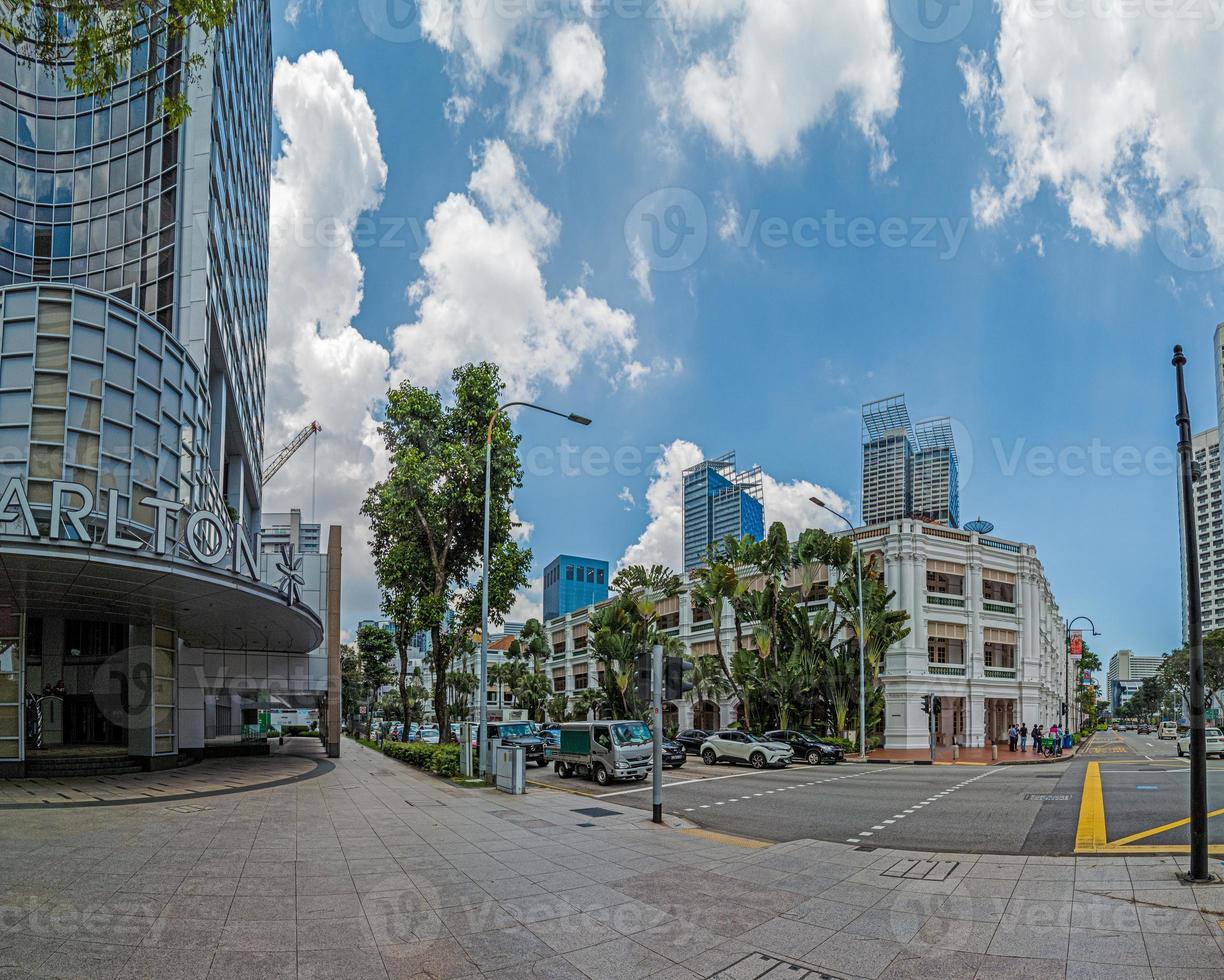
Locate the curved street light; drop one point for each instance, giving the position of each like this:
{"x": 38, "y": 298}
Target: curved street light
{"x": 484, "y": 574}
{"x": 1067, "y": 665}
{"x": 858, "y": 556}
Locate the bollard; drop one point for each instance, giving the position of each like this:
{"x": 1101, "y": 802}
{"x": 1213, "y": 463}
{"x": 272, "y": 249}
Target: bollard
{"x": 994, "y": 752}
{"x": 955, "y": 752}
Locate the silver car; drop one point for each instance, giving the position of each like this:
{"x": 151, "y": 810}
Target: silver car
{"x": 730, "y": 745}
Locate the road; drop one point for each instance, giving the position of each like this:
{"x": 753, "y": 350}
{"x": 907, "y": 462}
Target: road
{"x": 1134, "y": 786}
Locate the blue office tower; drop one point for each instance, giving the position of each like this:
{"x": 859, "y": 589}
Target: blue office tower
{"x": 718, "y": 501}
{"x": 572, "y": 583}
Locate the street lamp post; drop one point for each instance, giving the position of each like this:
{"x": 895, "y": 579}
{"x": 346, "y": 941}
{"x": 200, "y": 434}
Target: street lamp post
{"x": 1067, "y": 666}
{"x": 484, "y": 574}
{"x": 1187, "y": 474}
{"x": 858, "y": 562}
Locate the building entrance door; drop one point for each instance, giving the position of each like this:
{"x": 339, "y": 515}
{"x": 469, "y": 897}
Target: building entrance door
{"x": 85, "y": 724}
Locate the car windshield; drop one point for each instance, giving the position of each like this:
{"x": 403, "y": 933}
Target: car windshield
{"x": 1212, "y": 733}
{"x": 631, "y": 733}
{"x": 812, "y": 737}
{"x": 513, "y": 731}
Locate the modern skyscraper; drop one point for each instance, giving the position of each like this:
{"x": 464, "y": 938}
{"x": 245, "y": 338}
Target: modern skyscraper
{"x": 571, "y": 583}
{"x": 718, "y": 501}
{"x": 133, "y": 278}
{"x": 1209, "y": 525}
{"x": 908, "y": 470}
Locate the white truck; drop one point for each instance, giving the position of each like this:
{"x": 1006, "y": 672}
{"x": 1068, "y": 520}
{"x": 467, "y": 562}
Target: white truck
{"x": 604, "y": 750}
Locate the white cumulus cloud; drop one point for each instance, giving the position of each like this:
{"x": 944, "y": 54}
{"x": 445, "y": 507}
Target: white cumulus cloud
{"x": 483, "y": 296}
{"x": 550, "y": 61}
{"x": 662, "y": 540}
{"x": 770, "y": 70}
{"x": 1106, "y": 110}
{"x": 319, "y": 366}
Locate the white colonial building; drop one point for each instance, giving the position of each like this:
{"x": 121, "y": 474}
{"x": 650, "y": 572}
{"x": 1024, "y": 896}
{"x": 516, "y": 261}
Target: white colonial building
{"x": 985, "y": 636}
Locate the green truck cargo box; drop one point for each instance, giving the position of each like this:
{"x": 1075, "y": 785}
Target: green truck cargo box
{"x": 577, "y": 742}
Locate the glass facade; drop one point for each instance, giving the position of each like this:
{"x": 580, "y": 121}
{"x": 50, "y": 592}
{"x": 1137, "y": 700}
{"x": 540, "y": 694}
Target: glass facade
{"x": 94, "y": 391}
{"x": 718, "y": 501}
{"x": 573, "y": 583}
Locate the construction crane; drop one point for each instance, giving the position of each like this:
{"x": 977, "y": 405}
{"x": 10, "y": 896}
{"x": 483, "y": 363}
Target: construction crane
{"x": 296, "y": 443}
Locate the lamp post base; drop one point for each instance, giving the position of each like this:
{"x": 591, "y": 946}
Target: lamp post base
{"x": 1211, "y": 879}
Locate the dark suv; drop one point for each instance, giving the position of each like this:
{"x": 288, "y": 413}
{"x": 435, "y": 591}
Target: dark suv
{"x": 519, "y": 733}
{"x": 692, "y": 739}
{"x": 807, "y": 746}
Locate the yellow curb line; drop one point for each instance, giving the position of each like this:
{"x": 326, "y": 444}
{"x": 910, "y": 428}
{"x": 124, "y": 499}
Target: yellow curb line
{"x": 719, "y": 838}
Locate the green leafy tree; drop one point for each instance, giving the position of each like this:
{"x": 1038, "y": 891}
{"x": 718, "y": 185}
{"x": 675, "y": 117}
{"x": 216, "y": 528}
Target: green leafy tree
{"x": 590, "y": 700}
{"x": 558, "y": 707}
{"x": 427, "y": 516}
{"x": 95, "y": 43}
{"x": 375, "y": 650}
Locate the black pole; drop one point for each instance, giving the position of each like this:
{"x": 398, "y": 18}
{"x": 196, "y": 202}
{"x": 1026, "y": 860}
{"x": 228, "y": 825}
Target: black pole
{"x": 1194, "y": 629}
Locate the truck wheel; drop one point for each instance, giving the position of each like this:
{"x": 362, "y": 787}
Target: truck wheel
{"x": 758, "y": 760}
{"x": 541, "y": 763}
{"x": 601, "y": 775}
{"x": 709, "y": 757}
{"x": 563, "y": 770}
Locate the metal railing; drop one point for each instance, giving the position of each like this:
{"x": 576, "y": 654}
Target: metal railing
{"x": 1002, "y": 673}
{"x": 946, "y": 670}
{"x": 1008, "y": 608}
{"x": 939, "y": 599}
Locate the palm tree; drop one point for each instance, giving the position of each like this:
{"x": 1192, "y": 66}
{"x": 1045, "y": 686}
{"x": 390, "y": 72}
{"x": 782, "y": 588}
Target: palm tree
{"x": 709, "y": 680}
{"x": 716, "y": 585}
{"x": 590, "y": 700}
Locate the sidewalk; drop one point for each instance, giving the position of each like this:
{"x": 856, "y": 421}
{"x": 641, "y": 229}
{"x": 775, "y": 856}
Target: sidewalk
{"x": 968, "y": 757}
{"x": 374, "y": 870}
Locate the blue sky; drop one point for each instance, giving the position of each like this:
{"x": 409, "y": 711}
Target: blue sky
{"x": 1041, "y": 318}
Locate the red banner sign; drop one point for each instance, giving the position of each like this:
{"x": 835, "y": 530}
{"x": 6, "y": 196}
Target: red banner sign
{"x": 1077, "y": 643}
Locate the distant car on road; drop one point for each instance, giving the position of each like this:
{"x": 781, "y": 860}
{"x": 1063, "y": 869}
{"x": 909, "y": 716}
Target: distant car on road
{"x": 428, "y": 734}
{"x": 1145, "y": 729}
{"x": 1215, "y": 743}
{"x": 692, "y": 739}
{"x": 807, "y": 746}
{"x": 734, "y": 746}
{"x": 674, "y": 755}
{"x": 1168, "y": 729}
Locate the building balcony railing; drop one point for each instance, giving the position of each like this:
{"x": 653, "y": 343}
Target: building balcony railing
{"x": 946, "y": 670}
{"x": 1000, "y": 673}
{"x": 939, "y": 599}
{"x": 1002, "y": 545}
{"x": 1007, "y": 608}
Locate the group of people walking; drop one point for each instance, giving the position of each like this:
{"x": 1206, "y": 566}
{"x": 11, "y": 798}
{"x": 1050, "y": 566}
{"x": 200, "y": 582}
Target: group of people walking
{"x": 1047, "y": 738}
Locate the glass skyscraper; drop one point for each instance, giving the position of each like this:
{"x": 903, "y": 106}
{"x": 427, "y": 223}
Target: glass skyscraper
{"x": 718, "y": 501}
{"x": 908, "y": 470}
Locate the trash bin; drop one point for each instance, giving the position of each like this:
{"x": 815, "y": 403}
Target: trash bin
{"x": 511, "y": 768}
{"x": 1067, "y": 741}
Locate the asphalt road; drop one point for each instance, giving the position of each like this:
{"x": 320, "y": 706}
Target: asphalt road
{"x": 990, "y": 809}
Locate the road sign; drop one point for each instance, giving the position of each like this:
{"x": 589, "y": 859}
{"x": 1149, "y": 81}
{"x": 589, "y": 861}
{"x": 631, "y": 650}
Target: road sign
{"x": 361, "y": 709}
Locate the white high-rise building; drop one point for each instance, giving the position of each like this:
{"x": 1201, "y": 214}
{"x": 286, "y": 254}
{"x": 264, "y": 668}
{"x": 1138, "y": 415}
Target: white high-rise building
{"x": 908, "y": 470}
{"x": 1209, "y": 526}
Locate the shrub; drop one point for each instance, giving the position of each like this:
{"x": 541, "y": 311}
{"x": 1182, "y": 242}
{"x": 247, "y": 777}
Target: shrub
{"x": 297, "y": 730}
{"x": 842, "y": 743}
{"x": 440, "y": 759}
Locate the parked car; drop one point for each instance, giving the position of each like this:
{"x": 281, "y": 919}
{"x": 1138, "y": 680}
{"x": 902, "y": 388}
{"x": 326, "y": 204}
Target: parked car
{"x": 674, "y": 755}
{"x": 692, "y": 739}
{"x": 1215, "y": 743}
{"x": 734, "y": 746}
{"x": 428, "y": 734}
{"x": 519, "y": 733}
{"x": 807, "y": 746}
{"x": 552, "y": 738}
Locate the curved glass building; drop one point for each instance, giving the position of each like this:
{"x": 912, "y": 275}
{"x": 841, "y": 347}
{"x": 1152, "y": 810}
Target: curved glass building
{"x": 136, "y": 612}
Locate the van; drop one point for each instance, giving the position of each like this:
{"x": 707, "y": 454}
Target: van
{"x": 604, "y": 750}
{"x": 1168, "y": 729}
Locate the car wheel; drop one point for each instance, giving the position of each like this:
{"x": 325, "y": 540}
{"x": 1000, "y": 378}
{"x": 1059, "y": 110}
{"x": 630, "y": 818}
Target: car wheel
{"x": 709, "y": 757}
{"x": 541, "y": 763}
{"x": 601, "y": 775}
{"x": 758, "y": 760}
{"x": 1179, "y": 752}
{"x": 814, "y": 758}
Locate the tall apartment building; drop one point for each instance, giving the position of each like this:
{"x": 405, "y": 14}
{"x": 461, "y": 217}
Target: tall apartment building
{"x": 1209, "y": 525}
{"x": 570, "y": 582}
{"x": 282, "y": 529}
{"x": 719, "y": 501}
{"x": 908, "y": 470}
{"x": 133, "y": 279}
{"x": 1125, "y": 673}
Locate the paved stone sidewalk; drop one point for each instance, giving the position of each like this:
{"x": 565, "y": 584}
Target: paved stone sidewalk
{"x": 372, "y": 870}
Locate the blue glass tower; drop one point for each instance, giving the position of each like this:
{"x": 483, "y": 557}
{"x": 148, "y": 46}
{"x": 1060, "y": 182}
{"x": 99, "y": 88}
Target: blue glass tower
{"x": 571, "y": 582}
{"x": 718, "y": 502}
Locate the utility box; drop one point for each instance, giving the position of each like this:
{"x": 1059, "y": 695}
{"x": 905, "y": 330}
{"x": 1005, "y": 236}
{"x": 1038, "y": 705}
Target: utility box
{"x": 511, "y": 768}
{"x": 467, "y": 735}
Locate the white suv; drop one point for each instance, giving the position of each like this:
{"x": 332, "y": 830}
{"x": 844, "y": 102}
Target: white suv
{"x": 1215, "y": 743}
{"x": 734, "y": 746}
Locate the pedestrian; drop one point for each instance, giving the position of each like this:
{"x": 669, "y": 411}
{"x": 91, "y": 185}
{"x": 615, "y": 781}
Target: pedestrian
{"x": 1023, "y": 736}
{"x": 1012, "y": 735}
{"x": 1037, "y": 739}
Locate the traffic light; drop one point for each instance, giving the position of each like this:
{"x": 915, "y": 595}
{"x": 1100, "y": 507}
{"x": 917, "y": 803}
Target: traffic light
{"x": 937, "y": 704}
{"x": 642, "y": 669}
{"x": 926, "y": 703}
{"x": 674, "y": 684}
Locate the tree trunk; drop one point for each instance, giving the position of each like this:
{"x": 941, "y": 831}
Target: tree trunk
{"x": 402, "y": 644}
{"x": 438, "y": 658}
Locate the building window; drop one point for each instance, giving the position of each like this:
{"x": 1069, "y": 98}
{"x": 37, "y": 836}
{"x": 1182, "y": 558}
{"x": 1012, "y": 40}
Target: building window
{"x": 599, "y": 576}
{"x": 944, "y": 651}
{"x": 998, "y": 591}
{"x": 945, "y": 583}
{"x": 580, "y": 678}
{"x": 569, "y": 573}
{"x": 559, "y": 680}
